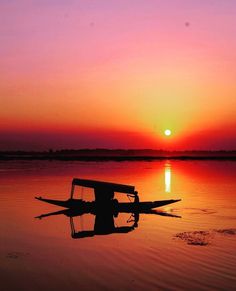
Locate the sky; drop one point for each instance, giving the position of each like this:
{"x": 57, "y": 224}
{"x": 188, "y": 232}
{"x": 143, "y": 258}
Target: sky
{"x": 116, "y": 74}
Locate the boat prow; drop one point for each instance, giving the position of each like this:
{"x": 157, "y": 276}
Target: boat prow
{"x": 69, "y": 203}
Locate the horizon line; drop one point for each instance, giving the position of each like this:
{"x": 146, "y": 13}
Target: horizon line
{"x": 52, "y": 150}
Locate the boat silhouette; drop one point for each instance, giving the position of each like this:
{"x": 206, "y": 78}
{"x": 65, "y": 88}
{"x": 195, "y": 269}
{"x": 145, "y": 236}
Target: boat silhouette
{"x": 105, "y": 208}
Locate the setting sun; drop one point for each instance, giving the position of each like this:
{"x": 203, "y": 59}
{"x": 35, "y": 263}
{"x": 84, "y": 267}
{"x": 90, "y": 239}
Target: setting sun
{"x": 167, "y": 132}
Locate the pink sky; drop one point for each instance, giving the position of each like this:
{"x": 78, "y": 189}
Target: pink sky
{"x": 117, "y": 74}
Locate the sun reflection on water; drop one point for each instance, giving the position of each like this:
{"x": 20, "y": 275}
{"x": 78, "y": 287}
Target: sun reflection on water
{"x": 167, "y": 177}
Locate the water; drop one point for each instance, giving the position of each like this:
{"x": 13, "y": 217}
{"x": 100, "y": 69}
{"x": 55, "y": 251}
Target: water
{"x": 193, "y": 248}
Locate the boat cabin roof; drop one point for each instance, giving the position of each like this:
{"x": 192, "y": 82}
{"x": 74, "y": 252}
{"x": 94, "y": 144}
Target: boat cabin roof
{"x": 99, "y": 185}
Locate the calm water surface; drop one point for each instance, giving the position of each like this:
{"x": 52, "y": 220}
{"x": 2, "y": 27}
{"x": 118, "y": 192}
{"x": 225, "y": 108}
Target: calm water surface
{"x": 193, "y": 248}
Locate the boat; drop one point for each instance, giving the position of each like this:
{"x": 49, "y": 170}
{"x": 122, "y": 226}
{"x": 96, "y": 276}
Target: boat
{"x": 104, "y": 193}
{"x": 105, "y": 207}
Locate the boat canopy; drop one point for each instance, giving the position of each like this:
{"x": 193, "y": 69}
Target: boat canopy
{"x": 121, "y": 188}
{"x": 103, "y": 190}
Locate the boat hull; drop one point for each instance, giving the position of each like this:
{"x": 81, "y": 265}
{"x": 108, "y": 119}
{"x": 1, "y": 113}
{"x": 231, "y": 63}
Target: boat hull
{"x": 113, "y": 204}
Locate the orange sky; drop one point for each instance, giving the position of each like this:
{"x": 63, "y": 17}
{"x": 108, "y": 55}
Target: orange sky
{"x": 114, "y": 74}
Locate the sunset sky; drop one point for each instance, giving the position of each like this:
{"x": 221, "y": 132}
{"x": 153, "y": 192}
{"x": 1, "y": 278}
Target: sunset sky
{"x": 117, "y": 74}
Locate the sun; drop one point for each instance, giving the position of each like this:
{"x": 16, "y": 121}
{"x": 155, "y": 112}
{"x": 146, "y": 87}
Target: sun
{"x": 167, "y": 132}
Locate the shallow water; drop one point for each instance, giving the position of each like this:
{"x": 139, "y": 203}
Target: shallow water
{"x": 192, "y": 248}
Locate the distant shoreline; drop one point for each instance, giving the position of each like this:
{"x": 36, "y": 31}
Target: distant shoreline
{"x": 116, "y": 155}
{"x": 117, "y": 159}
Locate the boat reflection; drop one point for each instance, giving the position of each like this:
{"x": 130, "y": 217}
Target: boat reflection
{"x": 104, "y": 219}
